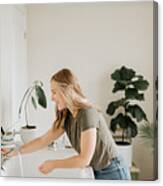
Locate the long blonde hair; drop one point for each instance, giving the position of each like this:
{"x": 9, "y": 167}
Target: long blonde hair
{"x": 74, "y": 97}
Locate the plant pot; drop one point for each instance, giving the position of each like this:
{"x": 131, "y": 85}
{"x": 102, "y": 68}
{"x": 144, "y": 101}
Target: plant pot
{"x": 7, "y": 139}
{"x": 125, "y": 150}
{"x": 8, "y": 136}
{"x": 28, "y": 133}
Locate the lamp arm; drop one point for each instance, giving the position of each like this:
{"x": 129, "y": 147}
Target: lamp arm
{"x": 25, "y": 104}
{"x": 22, "y": 101}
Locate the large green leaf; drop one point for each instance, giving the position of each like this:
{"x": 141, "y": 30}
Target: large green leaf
{"x": 115, "y": 105}
{"x": 116, "y": 75}
{"x": 117, "y": 121}
{"x": 137, "y": 112}
{"x": 141, "y": 84}
{"x": 123, "y": 74}
{"x": 120, "y": 120}
{"x": 113, "y": 124}
{"x": 111, "y": 108}
{"x": 140, "y": 97}
{"x": 132, "y": 129}
{"x": 118, "y": 86}
{"x": 126, "y": 73}
{"x": 132, "y": 93}
{"x": 139, "y": 76}
{"x": 41, "y": 96}
{"x": 126, "y": 123}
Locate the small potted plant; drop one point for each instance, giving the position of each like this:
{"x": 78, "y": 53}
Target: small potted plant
{"x": 7, "y": 137}
{"x": 148, "y": 132}
{"x": 126, "y": 112}
{"x": 36, "y": 94}
{"x": 148, "y": 135}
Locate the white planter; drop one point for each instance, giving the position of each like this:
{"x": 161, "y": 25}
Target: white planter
{"x": 126, "y": 152}
{"x": 28, "y": 134}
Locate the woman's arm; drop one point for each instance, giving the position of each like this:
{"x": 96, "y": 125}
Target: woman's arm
{"x": 42, "y": 141}
{"x": 87, "y": 144}
{"x": 38, "y": 143}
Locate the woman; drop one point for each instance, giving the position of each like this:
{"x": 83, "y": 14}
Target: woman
{"x": 86, "y": 129}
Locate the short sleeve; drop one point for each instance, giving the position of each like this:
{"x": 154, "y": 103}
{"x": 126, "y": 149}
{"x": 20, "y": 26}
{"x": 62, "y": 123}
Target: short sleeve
{"x": 89, "y": 119}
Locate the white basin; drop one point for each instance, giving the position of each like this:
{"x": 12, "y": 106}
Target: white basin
{"x": 32, "y": 161}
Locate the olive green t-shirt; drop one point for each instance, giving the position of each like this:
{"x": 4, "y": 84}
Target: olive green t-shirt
{"x": 105, "y": 149}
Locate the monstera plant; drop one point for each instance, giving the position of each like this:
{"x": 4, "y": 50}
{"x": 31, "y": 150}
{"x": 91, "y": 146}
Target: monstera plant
{"x": 36, "y": 94}
{"x": 126, "y": 112}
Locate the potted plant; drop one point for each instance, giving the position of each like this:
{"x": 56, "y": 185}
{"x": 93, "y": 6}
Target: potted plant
{"x": 125, "y": 112}
{"x": 147, "y": 134}
{"x": 148, "y": 131}
{"x": 36, "y": 94}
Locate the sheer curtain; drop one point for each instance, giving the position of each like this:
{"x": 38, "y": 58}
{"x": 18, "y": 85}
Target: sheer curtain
{"x": 13, "y": 62}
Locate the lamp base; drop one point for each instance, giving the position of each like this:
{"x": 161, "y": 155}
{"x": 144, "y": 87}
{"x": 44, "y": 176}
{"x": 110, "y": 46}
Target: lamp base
{"x": 28, "y": 134}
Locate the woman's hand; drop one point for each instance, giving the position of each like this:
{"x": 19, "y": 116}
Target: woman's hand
{"x": 47, "y": 166}
{"x": 8, "y": 152}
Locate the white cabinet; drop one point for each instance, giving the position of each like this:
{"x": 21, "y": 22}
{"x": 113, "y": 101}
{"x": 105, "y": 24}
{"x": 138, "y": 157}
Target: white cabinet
{"x": 13, "y": 61}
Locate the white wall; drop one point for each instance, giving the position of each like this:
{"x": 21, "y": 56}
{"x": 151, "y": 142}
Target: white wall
{"x": 92, "y": 40}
